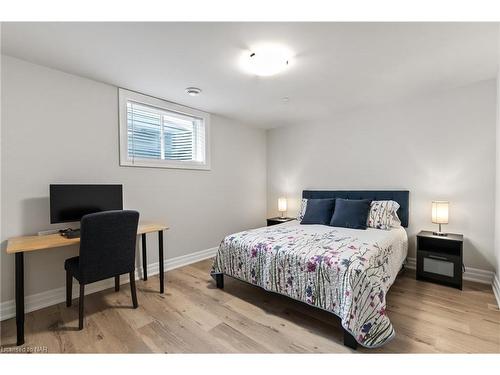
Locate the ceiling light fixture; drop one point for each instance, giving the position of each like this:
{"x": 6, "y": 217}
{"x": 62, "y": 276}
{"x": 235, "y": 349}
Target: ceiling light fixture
{"x": 193, "y": 91}
{"x": 266, "y": 59}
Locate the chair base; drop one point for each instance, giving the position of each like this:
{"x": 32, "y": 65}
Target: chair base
{"x": 133, "y": 292}
{"x": 80, "y": 306}
{"x": 81, "y": 297}
{"x": 69, "y": 288}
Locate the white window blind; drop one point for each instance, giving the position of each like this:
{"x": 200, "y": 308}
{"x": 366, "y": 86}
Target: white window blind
{"x": 161, "y": 137}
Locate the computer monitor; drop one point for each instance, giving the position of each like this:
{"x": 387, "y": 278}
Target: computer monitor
{"x": 68, "y": 203}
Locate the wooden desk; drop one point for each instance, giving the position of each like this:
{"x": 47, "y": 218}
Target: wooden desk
{"x": 21, "y": 245}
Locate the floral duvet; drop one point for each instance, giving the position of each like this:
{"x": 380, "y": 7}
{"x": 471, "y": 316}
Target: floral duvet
{"x": 345, "y": 271}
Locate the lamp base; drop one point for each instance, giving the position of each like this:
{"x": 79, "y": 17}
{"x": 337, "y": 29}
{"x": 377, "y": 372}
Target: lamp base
{"x": 439, "y": 233}
{"x": 443, "y": 234}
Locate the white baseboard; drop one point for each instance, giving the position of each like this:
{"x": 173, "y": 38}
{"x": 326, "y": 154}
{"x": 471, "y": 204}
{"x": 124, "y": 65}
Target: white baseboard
{"x": 496, "y": 287}
{"x": 52, "y": 297}
{"x": 470, "y": 274}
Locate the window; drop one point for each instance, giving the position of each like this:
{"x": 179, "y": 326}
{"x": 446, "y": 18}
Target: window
{"x": 157, "y": 133}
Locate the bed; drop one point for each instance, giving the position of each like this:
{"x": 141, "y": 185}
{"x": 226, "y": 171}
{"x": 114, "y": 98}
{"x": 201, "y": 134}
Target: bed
{"x": 347, "y": 272}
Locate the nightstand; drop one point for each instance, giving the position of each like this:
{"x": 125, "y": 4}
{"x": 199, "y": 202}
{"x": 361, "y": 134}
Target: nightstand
{"x": 278, "y": 220}
{"x": 440, "y": 258}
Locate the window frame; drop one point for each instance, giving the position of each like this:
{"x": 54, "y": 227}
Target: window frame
{"x": 125, "y": 96}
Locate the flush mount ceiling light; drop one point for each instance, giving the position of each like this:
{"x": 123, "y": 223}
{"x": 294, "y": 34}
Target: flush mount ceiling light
{"x": 266, "y": 59}
{"x": 193, "y": 91}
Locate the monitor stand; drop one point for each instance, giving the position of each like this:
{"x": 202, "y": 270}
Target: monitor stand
{"x": 70, "y": 233}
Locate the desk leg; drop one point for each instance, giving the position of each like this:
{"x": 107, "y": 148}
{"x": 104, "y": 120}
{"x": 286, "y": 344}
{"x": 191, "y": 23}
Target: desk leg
{"x": 160, "y": 257}
{"x": 20, "y": 298}
{"x": 144, "y": 258}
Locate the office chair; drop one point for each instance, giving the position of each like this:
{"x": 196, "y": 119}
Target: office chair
{"x": 107, "y": 249}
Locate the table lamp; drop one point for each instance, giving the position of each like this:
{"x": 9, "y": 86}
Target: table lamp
{"x": 282, "y": 206}
{"x": 440, "y": 215}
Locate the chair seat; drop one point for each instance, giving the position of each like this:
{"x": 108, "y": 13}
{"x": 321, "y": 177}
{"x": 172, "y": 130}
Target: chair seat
{"x": 72, "y": 265}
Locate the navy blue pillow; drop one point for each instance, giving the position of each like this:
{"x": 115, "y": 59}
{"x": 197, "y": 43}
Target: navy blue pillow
{"x": 318, "y": 211}
{"x": 350, "y": 213}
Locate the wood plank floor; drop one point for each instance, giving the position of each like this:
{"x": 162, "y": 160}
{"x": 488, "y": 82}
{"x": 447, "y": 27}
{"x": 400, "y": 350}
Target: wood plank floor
{"x": 195, "y": 317}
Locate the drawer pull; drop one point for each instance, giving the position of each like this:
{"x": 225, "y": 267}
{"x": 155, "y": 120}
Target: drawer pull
{"x": 437, "y": 257}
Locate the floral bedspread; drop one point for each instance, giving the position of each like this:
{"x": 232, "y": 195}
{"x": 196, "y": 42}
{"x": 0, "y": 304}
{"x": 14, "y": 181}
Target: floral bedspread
{"x": 331, "y": 269}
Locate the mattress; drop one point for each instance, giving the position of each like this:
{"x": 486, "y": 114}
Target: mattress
{"x": 347, "y": 272}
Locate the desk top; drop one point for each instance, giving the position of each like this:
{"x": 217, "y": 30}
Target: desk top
{"x": 33, "y": 243}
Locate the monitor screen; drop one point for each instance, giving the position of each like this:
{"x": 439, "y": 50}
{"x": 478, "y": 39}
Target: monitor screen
{"x": 68, "y": 203}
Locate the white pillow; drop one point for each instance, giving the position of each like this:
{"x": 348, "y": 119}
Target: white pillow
{"x": 383, "y": 215}
{"x": 302, "y": 211}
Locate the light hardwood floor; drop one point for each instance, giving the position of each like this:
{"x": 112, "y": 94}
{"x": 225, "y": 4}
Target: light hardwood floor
{"x": 195, "y": 317}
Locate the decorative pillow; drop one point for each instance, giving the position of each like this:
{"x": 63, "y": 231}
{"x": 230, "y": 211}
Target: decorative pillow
{"x": 383, "y": 215}
{"x": 303, "y": 205}
{"x": 350, "y": 213}
{"x": 318, "y": 211}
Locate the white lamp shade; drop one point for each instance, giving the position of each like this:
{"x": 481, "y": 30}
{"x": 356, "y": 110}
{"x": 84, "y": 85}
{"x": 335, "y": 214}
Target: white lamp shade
{"x": 282, "y": 204}
{"x": 440, "y": 212}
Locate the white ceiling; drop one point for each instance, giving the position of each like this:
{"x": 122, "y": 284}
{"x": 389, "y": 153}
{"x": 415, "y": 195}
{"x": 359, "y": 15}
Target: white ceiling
{"x": 338, "y": 66}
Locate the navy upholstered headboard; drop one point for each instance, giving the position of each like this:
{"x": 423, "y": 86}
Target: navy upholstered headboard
{"x": 400, "y": 196}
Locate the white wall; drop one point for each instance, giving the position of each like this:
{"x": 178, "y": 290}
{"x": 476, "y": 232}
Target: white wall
{"x": 439, "y": 147}
{"x": 60, "y": 128}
